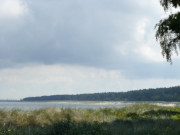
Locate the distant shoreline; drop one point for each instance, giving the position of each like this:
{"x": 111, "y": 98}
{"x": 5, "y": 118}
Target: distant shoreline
{"x": 10, "y": 100}
{"x": 171, "y": 94}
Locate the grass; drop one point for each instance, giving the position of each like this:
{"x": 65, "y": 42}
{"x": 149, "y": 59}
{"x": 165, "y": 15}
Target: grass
{"x": 138, "y": 119}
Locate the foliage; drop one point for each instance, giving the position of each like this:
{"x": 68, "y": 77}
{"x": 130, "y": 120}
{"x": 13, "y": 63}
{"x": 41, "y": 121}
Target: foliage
{"x": 169, "y": 3}
{"x": 138, "y": 119}
{"x": 168, "y": 30}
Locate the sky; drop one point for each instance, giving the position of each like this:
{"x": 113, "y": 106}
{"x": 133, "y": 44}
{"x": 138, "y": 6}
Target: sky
{"x": 50, "y": 47}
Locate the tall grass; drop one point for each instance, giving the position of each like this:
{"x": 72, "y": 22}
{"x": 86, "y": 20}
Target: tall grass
{"x": 132, "y": 120}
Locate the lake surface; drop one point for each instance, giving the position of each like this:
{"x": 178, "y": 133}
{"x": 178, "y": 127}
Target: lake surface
{"x": 74, "y": 104}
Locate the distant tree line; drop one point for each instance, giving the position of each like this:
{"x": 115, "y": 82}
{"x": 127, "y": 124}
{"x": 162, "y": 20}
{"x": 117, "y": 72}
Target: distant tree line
{"x": 158, "y": 94}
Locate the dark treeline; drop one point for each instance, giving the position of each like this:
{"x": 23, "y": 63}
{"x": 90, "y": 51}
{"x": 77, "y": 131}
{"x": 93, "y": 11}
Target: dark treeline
{"x": 158, "y": 94}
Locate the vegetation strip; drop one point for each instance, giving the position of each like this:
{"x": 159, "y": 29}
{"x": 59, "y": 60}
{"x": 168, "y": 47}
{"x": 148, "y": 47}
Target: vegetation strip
{"x": 133, "y": 120}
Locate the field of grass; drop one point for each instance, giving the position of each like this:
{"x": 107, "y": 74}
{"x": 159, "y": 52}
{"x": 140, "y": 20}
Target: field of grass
{"x": 138, "y": 119}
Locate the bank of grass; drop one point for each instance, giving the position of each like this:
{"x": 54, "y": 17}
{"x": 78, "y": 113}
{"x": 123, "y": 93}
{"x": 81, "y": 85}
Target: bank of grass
{"x": 138, "y": 119}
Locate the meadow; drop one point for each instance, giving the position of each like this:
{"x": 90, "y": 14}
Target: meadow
{"x": 138, "y": 119}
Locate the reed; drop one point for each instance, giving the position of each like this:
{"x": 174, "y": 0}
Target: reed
{"x": 132, "y": 120}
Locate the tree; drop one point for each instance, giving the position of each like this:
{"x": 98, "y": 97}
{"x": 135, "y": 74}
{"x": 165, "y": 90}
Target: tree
{"x": 168, "y": 30}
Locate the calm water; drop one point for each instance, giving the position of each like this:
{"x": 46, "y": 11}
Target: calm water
{"x": 71, "y": 104}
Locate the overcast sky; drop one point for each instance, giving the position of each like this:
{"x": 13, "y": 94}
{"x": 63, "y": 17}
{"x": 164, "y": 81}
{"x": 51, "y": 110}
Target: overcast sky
{"x": 52, "y": 47}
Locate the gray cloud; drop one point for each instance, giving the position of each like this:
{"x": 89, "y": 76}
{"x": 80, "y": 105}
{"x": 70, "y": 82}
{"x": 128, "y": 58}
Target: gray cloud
{"x": 82, "y": 33}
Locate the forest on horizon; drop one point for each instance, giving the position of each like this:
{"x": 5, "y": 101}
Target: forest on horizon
{"x": 158, "y": 94}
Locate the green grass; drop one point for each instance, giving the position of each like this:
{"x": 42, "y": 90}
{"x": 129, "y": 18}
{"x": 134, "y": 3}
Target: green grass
{"x": 138, "y": 119}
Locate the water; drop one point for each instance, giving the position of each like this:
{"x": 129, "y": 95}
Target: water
{"x": 74, "y": 104}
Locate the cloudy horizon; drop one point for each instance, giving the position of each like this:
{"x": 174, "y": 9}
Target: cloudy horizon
{"x": 81, "y": 46}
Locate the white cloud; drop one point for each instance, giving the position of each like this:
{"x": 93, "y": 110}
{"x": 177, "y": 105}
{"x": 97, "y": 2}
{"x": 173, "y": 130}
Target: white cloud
{"x": 16, "y": 83}
{"x": 12, "y": 8}
{"x": 141, "y": 29}
{"x": 123, "y": 49}
{"x": 150, "y": 54}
